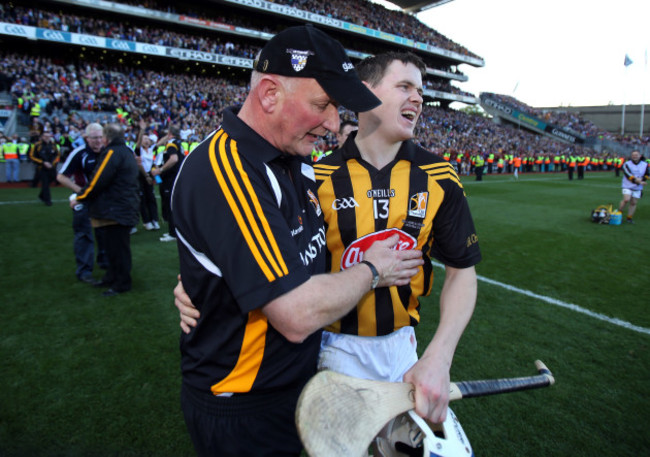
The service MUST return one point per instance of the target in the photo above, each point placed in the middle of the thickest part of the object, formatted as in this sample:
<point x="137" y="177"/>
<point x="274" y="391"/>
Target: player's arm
<point x="67" y="182"/>
<point x="324" y="298"/>
<point x="430" y="375"/>
<point x="62" y="176"/>
<point x="33" y="155"/>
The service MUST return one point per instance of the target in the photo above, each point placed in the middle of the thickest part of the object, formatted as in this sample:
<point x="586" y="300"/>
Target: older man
<point x="112" y="195"/>
<point x="252" y="250"/>
<point x="75" y="175"/>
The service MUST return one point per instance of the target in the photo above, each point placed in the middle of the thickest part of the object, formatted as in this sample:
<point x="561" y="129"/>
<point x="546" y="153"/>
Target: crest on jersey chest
<point x="418" y="205"/>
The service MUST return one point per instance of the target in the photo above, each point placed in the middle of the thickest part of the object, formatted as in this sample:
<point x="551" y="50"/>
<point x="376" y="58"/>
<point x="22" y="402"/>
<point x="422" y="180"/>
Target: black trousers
<point x="148" y="205"/>
<point x="571" y="173"/>
<point x="248" y="425"/>
<point x="166" y="203"/>
<point x="117" y="241"/>
<point x="46" y="176"/>
<point x="479" y="173"/>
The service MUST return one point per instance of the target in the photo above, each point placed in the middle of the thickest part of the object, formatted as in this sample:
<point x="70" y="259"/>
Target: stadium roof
<point x="414" y="6"/>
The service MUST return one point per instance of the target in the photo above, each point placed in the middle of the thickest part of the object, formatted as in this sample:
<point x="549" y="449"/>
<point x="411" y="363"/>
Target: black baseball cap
<point x="306" y="52"/>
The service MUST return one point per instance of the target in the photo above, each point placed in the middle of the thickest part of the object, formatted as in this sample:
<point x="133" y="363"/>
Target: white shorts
<point x="380" y="358"/>
<point x="633" y="193"/>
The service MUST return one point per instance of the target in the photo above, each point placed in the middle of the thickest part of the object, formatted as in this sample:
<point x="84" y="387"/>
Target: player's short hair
<point x="372" y="69"/>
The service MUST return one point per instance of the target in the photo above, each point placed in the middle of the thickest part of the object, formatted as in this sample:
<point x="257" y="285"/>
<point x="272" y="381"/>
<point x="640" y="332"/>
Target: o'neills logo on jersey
<point x="418" y="204"/>
<point x="314" y="201"/>
<point x="354" y="253"/>
<point x="381" y="193"/>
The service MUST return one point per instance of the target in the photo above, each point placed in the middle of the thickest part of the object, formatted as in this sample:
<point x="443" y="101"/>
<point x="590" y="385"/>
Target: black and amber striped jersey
<point x="417" y="196"/>
<point x="249" y="228"/>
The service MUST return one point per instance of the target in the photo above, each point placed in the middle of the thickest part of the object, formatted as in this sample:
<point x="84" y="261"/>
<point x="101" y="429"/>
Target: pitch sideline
<point x="560" y="303"/>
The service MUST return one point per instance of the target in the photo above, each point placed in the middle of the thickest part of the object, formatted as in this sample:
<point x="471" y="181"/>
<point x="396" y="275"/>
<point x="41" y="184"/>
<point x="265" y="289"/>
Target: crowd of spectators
<point x="63" y="90"/>
<point x="571" y="121"/>
<point x="215" y="43"/>
<point x="160" y="98"/>
<point x="88" y="24"/>
<point x="378" y="17"/>
<point x="360" y="12"/>
<point x="449" y="131"/>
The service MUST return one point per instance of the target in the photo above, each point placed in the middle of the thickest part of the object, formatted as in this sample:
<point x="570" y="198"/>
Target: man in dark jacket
<point x="45" y="154"/>
<point x="172" y="159"/>
<point x="112" y="196"/>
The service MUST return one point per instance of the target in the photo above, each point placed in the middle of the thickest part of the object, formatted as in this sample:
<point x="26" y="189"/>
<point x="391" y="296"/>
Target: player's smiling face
<point x="400" y="92"/>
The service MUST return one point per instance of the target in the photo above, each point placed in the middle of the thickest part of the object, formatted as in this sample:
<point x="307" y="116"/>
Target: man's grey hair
<point x="113" y="132"/>
<point x="94" y="127"/>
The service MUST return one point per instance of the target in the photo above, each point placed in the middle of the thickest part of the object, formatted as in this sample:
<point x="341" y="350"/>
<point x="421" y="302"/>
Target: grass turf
<point x="84" y="375"/>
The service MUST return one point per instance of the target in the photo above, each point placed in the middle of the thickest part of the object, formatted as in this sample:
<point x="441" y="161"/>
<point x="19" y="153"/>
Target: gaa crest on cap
<point x="299" y="58"/>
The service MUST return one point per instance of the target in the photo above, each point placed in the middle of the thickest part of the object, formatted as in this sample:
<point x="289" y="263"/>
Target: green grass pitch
<point x="84" y="375"/>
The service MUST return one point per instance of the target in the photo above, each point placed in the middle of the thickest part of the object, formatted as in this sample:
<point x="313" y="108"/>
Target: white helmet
<point x="409" y="435"/>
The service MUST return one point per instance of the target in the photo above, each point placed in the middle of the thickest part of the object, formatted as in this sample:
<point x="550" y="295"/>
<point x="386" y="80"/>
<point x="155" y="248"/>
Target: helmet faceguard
<point x="409" y="435"/>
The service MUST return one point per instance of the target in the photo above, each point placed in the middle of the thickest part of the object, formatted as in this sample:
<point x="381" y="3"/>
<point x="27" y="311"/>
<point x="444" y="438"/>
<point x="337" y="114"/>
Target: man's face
<point x="47" y="137"/>
<point x="95" y="140"/>
<point x="307" y="113"/>
<point x="635" y="156"/>
<point x="344" y="133"/>
<point x="400" y="92"/>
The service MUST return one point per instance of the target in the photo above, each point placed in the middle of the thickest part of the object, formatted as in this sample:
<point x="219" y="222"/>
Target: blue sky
<point x="554" y="52"/>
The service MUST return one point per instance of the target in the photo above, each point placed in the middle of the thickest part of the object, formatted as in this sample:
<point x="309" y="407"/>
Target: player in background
<point x="635" y="177"/>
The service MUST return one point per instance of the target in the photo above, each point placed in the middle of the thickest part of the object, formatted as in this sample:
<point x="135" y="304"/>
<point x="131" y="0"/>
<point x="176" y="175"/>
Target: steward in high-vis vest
<point x="479" y="163"/>
<point x="35" y="111"/>
<point x="23" y="150"/>
<point x="582" y="164"/>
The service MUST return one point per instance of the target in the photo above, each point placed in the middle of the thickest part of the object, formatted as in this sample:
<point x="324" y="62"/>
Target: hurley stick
<point x="338" y="415"/>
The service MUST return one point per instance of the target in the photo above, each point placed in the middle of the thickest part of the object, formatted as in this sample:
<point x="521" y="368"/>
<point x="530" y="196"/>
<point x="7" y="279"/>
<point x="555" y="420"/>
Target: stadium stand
<point x="85" y="60"/>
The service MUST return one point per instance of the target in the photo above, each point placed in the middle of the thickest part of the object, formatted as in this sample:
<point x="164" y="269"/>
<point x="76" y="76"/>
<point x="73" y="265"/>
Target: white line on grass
<point x="553" y="301"/>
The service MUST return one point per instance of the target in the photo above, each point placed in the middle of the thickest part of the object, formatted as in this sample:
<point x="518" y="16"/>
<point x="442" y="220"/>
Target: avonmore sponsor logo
<point x="355" y="251"/>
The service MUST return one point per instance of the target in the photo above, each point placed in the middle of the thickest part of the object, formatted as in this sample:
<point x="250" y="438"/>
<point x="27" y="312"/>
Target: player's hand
<point x="431" y="381"/>
<point x="395" y="268"/>
<point x="188" y="313"/>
